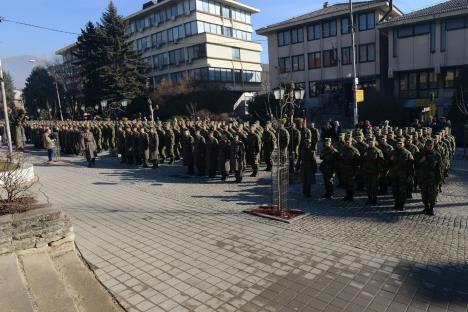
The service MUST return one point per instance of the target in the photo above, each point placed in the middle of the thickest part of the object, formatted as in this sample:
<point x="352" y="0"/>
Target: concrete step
<point x="14" y="296"/>
<point x="88" y="294"/>
<point x="47" y="288"/>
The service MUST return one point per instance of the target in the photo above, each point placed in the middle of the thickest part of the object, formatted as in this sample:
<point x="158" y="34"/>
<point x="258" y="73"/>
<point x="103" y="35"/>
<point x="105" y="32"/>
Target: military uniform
<point x="329" y="157"/>
<point x="428" y="169"/>
<point x="253" y="149"/>
<point x="400" y="169"/>
<point x="308" y="168"/>
<point x="211" y="156"/>
<point x="269" y="143"/>
<point x="372" y="166"/>
<point x="237" y="154"/>
<point x="349" y="158"/>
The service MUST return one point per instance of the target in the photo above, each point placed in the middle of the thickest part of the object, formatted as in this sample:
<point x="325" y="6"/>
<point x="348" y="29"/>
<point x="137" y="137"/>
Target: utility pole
<point x="5" y="111"/>
<point x="355" y="78"/>
<point x="58" y="99"/>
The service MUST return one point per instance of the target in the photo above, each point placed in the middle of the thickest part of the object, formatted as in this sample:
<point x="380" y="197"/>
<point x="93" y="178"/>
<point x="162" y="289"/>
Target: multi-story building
<point x="67" y="74"/>
<point x="206" y="40"/>
<point x="427" y="49"/>
<point x="314" y="51"/>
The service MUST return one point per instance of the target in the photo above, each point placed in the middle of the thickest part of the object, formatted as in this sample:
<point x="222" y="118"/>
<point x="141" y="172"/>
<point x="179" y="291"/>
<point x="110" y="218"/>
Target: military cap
<point x="327" y="140"/>
<point x="429" y="141"/>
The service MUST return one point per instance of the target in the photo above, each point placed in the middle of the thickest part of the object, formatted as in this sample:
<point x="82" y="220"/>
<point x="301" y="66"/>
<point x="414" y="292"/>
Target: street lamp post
<point x="286" y="98"/>
<point x="289" y="99"/>
<point x="5" y="111"/>
<point x="355" y="78"/>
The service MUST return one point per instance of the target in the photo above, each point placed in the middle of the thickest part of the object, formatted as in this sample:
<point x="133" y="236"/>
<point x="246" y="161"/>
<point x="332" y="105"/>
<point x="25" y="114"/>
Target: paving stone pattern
<point x="163" y="241"/>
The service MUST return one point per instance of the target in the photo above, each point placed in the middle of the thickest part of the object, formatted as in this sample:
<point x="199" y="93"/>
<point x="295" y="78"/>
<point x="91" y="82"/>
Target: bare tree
<point x="14" y="183"/>
<point x="460" y="102"/>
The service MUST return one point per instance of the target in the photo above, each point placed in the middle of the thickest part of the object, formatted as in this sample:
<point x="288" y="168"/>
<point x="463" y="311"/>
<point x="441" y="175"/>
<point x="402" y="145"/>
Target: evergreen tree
<point x="9" y="90"/>
<point x="121" y="74"/>
<point x="89" y="63"/>
<point x="39" y="91"/>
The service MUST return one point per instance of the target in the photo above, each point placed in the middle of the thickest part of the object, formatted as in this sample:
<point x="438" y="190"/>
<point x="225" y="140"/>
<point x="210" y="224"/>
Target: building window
<point x="191" y="28"/>
<point x="367" y="53"/>
<point x="418" y="85"/>
<point x="297" y="62"/>
<point x="366" y="21"/>
<point x="443" y="36"/>
<point x="345" y="25"/>
<point x="314" y="89"/>
<point x="251" y="76"/>
<point x="433" y="38"/>
<point x="283" y="38"/>
<point x="329" y="58"/>
<point x="455" y="23"/>
<point x="284" y="64"/>
<point x="314" y="32"/>
<point x="450" y="77"/>
<point x="329" y="28"/>
<point x="300" y="85"/>
<point x="297" y="35"/>
<point x="346" y="56"/>
<point x="196" y="52"/>
<point x="226" y="12"/>
<point x="314" y="60"/>
<point x="236" y="54"/>
<point x="176" y="57"/>
<point x="227" y="31"/>
<point x="415" y="30"/>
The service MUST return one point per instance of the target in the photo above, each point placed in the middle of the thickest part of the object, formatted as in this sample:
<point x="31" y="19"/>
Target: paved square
<point x="162" y="241"/>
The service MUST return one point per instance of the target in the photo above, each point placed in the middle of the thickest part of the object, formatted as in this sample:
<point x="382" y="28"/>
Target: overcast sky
<point x="71" y="15"/>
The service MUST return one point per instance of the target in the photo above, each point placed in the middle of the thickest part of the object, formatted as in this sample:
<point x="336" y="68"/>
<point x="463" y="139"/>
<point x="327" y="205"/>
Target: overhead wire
<point x="2" y="19"/>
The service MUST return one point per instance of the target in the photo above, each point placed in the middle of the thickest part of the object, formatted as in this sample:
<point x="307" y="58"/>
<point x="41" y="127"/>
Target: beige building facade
<point x="412" y="59"/>
<point x="205" y="40"/>
<point x="314" y="51"/>
<point x="427" y="50"/>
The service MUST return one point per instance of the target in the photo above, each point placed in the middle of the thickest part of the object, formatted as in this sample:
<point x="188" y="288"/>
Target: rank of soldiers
<point x="372" y="160"/>
<point x="389" y="157"/>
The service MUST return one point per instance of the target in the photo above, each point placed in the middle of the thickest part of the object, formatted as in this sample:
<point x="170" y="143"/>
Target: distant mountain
<point x="20" y="67"/>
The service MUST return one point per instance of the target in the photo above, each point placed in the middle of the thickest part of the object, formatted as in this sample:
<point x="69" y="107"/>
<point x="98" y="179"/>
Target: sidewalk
<point x="162" y="241"/>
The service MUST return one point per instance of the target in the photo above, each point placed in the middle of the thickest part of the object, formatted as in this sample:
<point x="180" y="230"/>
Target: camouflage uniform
<point x="400" y="169"/>
<point x="428" y="170"/>
<point x="329" y="157"/>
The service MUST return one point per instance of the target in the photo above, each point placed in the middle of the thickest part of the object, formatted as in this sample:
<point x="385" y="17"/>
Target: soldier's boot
<point x="254" y="173"/>
<point x="374" y="201"/>
<point x="223" y="175"/>
<point x="431" y="210"/>
<point x="155" y="164"/>
<point x="426" y="208"/>
<point x="171" y="160"/>
<point x="93" y="162"/>
<point x="238" y="176"/>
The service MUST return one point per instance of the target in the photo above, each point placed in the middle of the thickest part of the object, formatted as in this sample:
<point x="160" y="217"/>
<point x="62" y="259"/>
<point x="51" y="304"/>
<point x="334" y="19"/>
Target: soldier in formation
<point x="370" y="160"/>
<point x="403" y="159"/>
